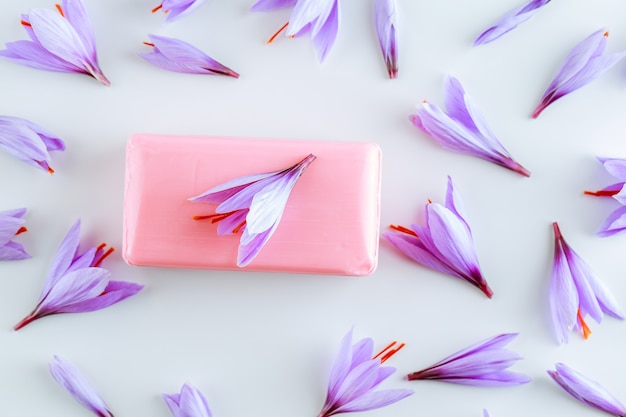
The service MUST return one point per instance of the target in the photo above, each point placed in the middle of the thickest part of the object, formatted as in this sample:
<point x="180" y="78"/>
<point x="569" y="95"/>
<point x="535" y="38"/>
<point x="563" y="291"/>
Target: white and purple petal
<point x="387" y="30"/>
<point x="510" y="21"/>
<point x="190" y="402"/>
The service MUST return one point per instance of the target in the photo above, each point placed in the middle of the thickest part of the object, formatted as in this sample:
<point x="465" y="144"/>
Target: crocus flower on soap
<point x="178" y="56"/>
<point x="386" y="27"/>
<point x="586" y="390"/>
<point x="188" y="403"/>
<point x="445" y="243"/>
<point x="586" y="62"/>
<point x="70" y="378"/>
<point x="355" y="375"/>
<point x="616" y="222"/>
<point x="61" y="40"/>
<point x="575" y="292"/>
<point x="482" y="364"/>
<point x="28" y="142"/>
<point x="253" y="204"/>
<point x="462" y="128"/>
<point x="178" y="8"/>
<point x="76" y="283"/>
<point x="12" y="224"/>
<point x="510" y="21"/>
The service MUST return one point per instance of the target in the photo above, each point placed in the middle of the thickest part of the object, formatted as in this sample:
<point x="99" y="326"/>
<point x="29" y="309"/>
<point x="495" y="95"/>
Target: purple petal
<point x="224" y="191"/>
<point x="362" y="351"/>
<point x="76" y="14"/>
<point x="309" y="11"/>
<point x="269" y="5"/>
<point x="386" y="28"/>
<point x="63" y="258"/>
<point x="179" y="8"/>
<point x="510" y="21"/>
<point x="373" y="400"/>
<point x="250" y="245"/>
<point x="192" y="403"/>
<point x="341" y="366"/>
<point x="324" y="38"/>
<point x="173" y="403"/>
<point x="34" y="55"/>
<point x="455" y="204"/>
<point x="13" y="251"/>
<point x="114" y="292"/>
<point x="615" y="223"/>
<point x="359" y="381"/>
<point x="74" y="287"/>
<point x="615" y="166"/>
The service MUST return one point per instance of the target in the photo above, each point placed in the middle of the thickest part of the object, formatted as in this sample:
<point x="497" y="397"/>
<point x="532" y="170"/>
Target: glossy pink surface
<point x="330" y="224"/>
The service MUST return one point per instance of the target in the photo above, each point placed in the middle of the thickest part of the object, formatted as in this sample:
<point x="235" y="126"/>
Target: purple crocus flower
<point x="178" y="56"/>
<point x="28" y="142"/>
<point x="575" y="292"/>
<point x="70" y="378"/>
<point x="188" y="403"/>
<point x="462" y="128"/>
<point x="62" y="41"/>
<point x="510" y="21"/>
<point x="585" y="63"/>
<point x="445" y="243"/>
<point x="76" y="283"/>
<point x="483" y="364"/>
<point x="586" y="390"/>
<point x="178" y="8"/>
<point x="354" y="376"/>
<point x="616" y="222"/>
<point x="386" y="27"/>
<point x="254" y="204"/>
<point x="12" y="224"/>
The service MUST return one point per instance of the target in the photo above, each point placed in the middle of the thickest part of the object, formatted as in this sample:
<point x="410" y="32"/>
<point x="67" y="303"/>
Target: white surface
<point x="261" y="344"/>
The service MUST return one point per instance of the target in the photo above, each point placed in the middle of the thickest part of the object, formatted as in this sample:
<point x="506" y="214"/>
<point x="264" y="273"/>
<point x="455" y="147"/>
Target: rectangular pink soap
<point x="330" y="224"/>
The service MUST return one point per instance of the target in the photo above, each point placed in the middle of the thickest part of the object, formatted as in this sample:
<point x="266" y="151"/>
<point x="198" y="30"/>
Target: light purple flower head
<point x="386" y="27"/>
<point x="28" y="142"/>
<point x="585" y="63"/>
<point x="445" y="243"/>
<point x="575" y="292"/>
<point x="616" y="222"/>
<point x="586" y="390"/>
<point x="178" y="8"/>
<point x="12" y="224"/>
<point x="70" y="378"/>
<point x="354" y="376"/>
<point x="483" y="364"/>
<point x="462" y="128"/>
<point x="253" y="204"/>
<point x="76" y="283"/>
<point x="60" y="41"/>
<point x="178" y="56"/>
<point x="188" y="403"/>
<point x="510" y="21"/>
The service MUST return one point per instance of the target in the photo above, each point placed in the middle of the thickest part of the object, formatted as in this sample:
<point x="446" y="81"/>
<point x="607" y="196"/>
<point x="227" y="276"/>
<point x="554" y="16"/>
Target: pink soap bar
<point x="330" y="224"/>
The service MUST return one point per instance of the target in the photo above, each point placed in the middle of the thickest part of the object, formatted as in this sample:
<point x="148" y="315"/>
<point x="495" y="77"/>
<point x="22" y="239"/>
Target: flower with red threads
<point x="11" y="225"/>
<point x="76" y="283"/>
<point x="616" y="222"/>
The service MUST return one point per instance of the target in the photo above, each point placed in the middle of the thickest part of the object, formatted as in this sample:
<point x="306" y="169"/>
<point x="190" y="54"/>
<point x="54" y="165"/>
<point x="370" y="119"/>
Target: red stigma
<point x="606" y="34"/>
<point x="97" y="262"/>
<point x="25" y="23"/>
<point x="602" y="193"/>
<point x="21" y="230"/>
<point x="218" y="217"/>
<point x="583" y="326"/>
<point x="149" y="44"/>
<point x="60" y="9"/>
<point x="403" y="229"/>
<point x="156" y="9"/>
<point x="388" y="352"/>
<point x="50" y="171"/>
<point x="271" y="39"/>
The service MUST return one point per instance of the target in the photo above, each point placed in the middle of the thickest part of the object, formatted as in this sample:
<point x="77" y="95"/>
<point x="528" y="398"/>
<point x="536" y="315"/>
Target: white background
<point x="259" y="343"/>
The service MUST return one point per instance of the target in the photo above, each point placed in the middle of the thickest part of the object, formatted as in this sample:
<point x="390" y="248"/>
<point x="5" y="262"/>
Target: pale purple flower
<point x="482" y="364"/>
<point x="12" y="224"/>
<point x="354" y="376"/>
<point x="178" y="8"/>
<point x="575" y="292"/>
<point x="462" y="128"/>
<point x="386" y="27"/>
<point x="510" y="21"/>
<point x="587" y="391"/>
<point x="188" y="403"/>
<point x="445" y="243"/>
<point x="70" y="378"/>
<point x="585" y="63"/>
<point x="76" y="283"/>
<point x="616" y="222"/>
<point x="28" y="142"/>
<point x="178" y="56"/>
<point x="253" y="204"/>
<point x="60" y="41"/>
<point x="485" y="413"/>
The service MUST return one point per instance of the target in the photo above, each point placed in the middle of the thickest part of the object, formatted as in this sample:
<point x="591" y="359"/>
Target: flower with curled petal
<point x="510" y="21"/>
<point x="188" y="403"/>
<point x="178" y="8"/>
<point x="76" y="283"/>
<point x="586" y="390"/>
<point x="12" y="224"/>
<point x="586" y="62"/>
<point x="386" y="27"/>
<point x="254" y="204"/>
<point x="616" y="222"/>
<point x="28" y="142"/>
<point x="354" y="376"/>
<point x="70" y="378"/>
<point x="575" y="292"/>
<point x="482" y="364"/>
<point x="178" y="56"/>
<point x="445" y="243"/>
<point x="62" y="41"/>
<point x="462" y="128"/>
